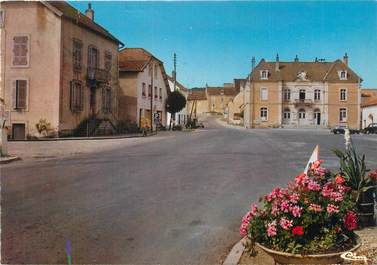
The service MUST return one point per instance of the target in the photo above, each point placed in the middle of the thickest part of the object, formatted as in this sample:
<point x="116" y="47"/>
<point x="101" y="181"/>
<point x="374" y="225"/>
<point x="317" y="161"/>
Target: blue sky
<point x="215" y="41"/>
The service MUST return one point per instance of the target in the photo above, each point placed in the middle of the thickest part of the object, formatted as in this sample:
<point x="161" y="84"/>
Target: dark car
<point x="372" y="128"/>
<point x="340" y="129"/>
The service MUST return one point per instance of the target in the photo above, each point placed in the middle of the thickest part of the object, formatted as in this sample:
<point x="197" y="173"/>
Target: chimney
<point x="90" y="12"/>
<point x="345" y="59"/>
<point x="277" y="67"/>
<point x="296" y="58"/>
<point x="252" y="63"/>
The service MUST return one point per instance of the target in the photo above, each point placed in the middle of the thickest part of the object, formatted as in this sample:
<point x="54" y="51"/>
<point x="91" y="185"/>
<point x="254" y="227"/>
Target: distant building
<point x="302" y="94"/>
<point x="369" y="107"/>
<point x="143" y="87"/>
<point x="60" y="66"/>
<point x="182" y="116"/>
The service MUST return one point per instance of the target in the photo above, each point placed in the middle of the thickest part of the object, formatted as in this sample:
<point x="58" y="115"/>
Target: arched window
<point x="263" y="114"/>
<point x="287" y="114"/>
<point x="301" y="114"/>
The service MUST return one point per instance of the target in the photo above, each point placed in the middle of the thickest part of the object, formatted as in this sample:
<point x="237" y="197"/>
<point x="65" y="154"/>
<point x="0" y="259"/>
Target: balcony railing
<point x="98" y="75"/>
<point x="303" y="102"/>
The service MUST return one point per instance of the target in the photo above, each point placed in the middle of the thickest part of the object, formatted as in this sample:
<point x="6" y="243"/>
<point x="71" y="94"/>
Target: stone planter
<point x="288" y="258"/>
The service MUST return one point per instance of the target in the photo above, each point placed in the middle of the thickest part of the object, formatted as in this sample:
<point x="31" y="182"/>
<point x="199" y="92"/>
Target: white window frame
<point x="264" y="74"/>
<point x="345" y="95"/>
<point x="262" y="118"/>
<point x="28" y="50"/>
<point x="287" y="94"/>
<point x="287" y="113"/>
<point x="317" y="94"/>
<point x="2" y="18"/>
<point x="262" y="89"/>
<point x="340" y="74"/>
<point x="346" y="115"/>
<point x="14" y="96"/>
<point x="300" y="116"/>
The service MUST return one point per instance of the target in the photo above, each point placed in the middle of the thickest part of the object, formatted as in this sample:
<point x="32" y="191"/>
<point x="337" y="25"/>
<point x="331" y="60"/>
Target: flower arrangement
<point x="312" y="215"/>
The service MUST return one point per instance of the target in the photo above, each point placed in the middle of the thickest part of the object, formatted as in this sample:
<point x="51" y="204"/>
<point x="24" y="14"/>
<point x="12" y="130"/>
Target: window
<point x="143" y="90"/>
<point x="302" y="94"/>
<point x="155" y="71"/>
<point x="149" y="91"/>
<point x="77" y="55"/>
<point x="317" y="94"/>
<point x="106" y="100"/>
<point x="263" y="114"/>
<point x="155" y="92"/>
<point x="20" y="91"/>
<point x="342" y="75"/>
<point x="287" y="94"/>
<point x="287" y="114"/>
<point x="76" y="96"/>
<point x="264" y="74"/>
<point x="343" y="115"/>
<point x="343" y="94"/>
<point x="21" y="51"/>
<point x="160" y="93"/>
<point x="2" y="18"/>
<point x="108" y="61"/>
<point x="93" y="57"/>
<point x="301" y="114"/>
<point x="263" y="93"/>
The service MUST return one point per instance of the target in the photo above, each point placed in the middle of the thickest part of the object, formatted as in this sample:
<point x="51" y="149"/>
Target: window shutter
<point x="81" y="99"/>
<point x="104" y="99"/>
<point x="20" y="50"/>
<point x="14" y="94"/>
<point x="22" y="94"/>
<point x="71" y="97"/>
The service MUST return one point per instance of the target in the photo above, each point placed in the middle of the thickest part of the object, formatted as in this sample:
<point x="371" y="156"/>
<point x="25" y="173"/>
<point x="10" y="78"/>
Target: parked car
<point x="340" y="129"/>
<point x="372" y="128"/>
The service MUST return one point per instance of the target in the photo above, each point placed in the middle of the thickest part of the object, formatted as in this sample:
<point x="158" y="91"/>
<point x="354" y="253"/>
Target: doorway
<point x="317" y="118"/>
<point x="18" y="131"/>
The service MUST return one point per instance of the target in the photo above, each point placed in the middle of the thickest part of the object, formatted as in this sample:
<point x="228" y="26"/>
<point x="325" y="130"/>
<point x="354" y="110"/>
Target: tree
<point x="175" y="103"/>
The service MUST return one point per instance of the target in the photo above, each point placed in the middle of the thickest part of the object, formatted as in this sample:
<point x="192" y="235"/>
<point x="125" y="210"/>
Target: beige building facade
<point x="143" y="86"/>
<point x="60" y="66"/>
<point x="302" y="95"/>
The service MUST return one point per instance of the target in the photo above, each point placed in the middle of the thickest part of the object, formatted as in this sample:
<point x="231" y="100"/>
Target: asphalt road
<point x="178" y="200"/>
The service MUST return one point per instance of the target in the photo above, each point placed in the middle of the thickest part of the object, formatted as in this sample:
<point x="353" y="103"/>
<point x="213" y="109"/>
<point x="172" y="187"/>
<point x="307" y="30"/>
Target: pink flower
<point x="284" y="206"/>
<point x="296" y="211"/>
<point x="271" y="229"/>
<point x="300" y="178"/>
<point x="294" y="197"/>
<point x="254" y="209"/>
<point x="285" y="223"/>
<point x="315" y="164"/>
<point x="321" y="171"/>
<point x="313" y="185"/>
<point x="243" y="229"/>
<point x="336" y="196"/>
<point x="246" y="219"/>
<point x="315" y="207"/>
<point x="327" y="190"/>
<point x="275" y="209"/>
<point x="331" y="208"/>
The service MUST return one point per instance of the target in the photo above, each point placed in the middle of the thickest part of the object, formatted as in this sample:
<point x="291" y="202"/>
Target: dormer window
<point x="342" y="75"/>
<point x="264" y="75"/>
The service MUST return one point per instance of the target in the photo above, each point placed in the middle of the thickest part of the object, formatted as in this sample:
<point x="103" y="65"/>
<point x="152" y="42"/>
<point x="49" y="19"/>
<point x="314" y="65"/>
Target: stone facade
<point x="302" y="94"/>
<point x="39" y="70"/>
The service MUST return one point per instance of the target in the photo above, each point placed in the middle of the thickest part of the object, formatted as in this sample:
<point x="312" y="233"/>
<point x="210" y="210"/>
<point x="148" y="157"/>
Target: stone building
<point x="143" y="87"/>
<point x="369" y="107"/>
<point x="58" y="65"/>
<point x="182" y="116"/>
<point x="302" y="94"/>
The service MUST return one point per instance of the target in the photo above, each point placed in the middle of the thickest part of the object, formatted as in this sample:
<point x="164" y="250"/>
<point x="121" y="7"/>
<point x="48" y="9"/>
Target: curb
<point x="235" y="253"/>
<point x="9" y="159"/>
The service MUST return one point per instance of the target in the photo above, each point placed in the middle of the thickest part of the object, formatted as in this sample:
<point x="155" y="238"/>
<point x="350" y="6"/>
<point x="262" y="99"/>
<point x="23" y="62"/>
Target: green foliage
<point x="126" y="126"/>
<point x="175" y="102"/>
<point x="353" y="168"/>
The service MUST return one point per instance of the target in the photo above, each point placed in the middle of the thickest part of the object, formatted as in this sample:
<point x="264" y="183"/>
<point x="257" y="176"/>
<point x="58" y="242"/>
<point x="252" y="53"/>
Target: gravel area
<point x="369" y="249"/>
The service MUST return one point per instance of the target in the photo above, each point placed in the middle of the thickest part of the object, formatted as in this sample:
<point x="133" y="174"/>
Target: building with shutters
<point x="59" y="65"/>
<point x="144" y="88"/>
<point x="302" y="94"/>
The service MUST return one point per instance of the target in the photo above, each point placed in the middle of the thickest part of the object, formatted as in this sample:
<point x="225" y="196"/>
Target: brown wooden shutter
<point x="21" y="94"/>
<point x="20" y="50"/>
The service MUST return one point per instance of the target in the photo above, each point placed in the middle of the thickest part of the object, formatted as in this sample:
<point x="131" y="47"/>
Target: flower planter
<point x="288" y="258"/>
<point x="365" y="209"/>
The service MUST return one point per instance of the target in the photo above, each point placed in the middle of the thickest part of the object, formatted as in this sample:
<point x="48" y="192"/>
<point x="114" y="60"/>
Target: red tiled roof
<point x="370" y="102"/>
<point x="134" y="59"/>
<point x="315" y="71"/>
<point x="77" y="17"/>
<point x="216" y="91"/>
<point x="197" y="94"/>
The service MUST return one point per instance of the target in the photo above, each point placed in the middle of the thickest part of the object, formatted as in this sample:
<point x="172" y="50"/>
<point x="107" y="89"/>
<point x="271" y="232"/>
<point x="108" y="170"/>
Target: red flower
<point x="339" y="180"/>
<point x="373" y="175"/>
<point x="298" y="230"/>
<point x="300" y="178"/>
<point x="350" y="221"/>
<point x="315" y="164"/>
